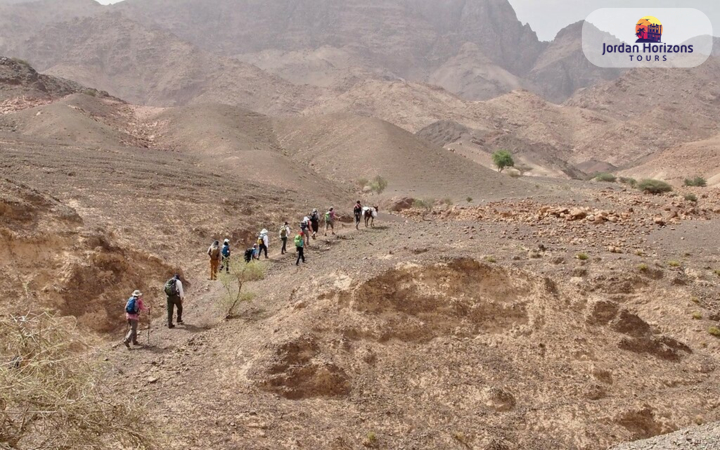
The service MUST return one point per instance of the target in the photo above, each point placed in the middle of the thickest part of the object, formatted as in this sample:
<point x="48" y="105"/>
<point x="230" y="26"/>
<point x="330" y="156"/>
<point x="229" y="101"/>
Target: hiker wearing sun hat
<point x="264" y="242"/>
<point x="132" y="313"/>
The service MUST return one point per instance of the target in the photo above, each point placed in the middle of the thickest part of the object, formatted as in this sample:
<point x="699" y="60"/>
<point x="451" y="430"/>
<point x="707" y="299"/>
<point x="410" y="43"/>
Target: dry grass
<point x="51" y="396"/>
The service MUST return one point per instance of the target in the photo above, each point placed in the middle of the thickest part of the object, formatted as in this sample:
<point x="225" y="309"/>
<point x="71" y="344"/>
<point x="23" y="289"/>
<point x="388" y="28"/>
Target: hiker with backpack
<point x="330" y="221"/>
<point x="214" y="253"/>
<point x="132" y="313"/>
<point x="263" y="243"/>
<point x="357" y="211"/>
<point x="175" y="297"/>
<point x="225" y="255"/>
<point x="249" y="255"/>
<point x="305" y="229"/>
<point x="300" y="247"/>
<point x="314" y="222"/>
<point x="284" y="233"/>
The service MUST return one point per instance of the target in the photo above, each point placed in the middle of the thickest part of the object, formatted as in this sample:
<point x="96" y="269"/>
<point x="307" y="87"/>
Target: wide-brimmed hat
<point x="264" y="231"/>
<point x="137" y="293"/>
<point x="227" y="241"/>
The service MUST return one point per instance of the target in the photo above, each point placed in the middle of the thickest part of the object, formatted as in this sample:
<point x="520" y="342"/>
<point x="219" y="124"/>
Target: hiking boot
<point x="127" y="344"/>
<point x="137" y="344"/>
<point x="180" y="322"/>
<point x="171" y="326"/>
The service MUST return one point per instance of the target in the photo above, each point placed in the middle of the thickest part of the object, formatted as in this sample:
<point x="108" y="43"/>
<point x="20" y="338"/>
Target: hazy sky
<point x="547" y="17"/>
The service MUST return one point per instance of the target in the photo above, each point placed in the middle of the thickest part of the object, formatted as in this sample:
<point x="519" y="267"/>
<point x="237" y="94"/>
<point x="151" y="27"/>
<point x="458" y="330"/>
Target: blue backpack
<point x="226" y="251"/>
<point x="132" y="306"/>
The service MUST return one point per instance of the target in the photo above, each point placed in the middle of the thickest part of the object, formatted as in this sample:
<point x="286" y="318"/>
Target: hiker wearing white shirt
<point x="284" y="233"/>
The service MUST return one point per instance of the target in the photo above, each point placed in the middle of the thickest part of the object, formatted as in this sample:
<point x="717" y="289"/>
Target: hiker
<point x="256" y="252"/>
<point x="175" y="297"/>
<point x="299" y="245"/>
<point x="314" y="222"/>
<point x="330" y="221"/>
<point x="132" y="313"/>
<point x="214" y="253"/>
<point x="358" y="211"/>
<point x="263" y="243"/>
<point x="225" y="254"/>
<point x="305" y="229"/>
<point x="284" y="233"/>
<point x="249" y="255"/>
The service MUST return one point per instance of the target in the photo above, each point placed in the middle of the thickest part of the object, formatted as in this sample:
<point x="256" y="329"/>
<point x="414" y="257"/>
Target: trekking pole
<point x="149" y="322"/>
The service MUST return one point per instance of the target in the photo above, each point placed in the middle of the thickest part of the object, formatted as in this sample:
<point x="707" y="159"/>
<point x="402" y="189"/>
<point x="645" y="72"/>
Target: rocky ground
<point x="450" y="330"/>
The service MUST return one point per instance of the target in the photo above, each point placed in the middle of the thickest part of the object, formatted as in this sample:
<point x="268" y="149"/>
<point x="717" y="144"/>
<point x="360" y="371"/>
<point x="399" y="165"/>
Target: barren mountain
<point x="346" y="148"/>
<point x="701" y="158"/>
<point x="154" y="67"/>
<point x="562" y="68"/>
<point x="20" y="20"/>
<point x="20" y="85"/>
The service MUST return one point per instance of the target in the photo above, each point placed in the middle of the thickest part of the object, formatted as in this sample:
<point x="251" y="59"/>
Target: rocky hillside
<point x="154" y="67"/>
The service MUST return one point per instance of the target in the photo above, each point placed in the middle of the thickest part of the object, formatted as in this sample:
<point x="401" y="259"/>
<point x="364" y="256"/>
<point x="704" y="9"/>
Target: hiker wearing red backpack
<point x="132" y="313"/>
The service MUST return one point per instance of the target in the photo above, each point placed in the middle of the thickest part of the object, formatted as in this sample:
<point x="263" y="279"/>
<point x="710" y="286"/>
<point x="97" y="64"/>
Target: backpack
<point x="260" y="241"/>
<point x="132" y="306"/>
<point x="327" y="216"/>
<point x="215" y="252"/>
<point x="314" y="217"/>
<point x="283" y="232"/>
<point x="303" y="226"/>
<point x="299" y="241"/>
<point x="171" y="287"/>
<point x="226" y="250"/>
<point x="248" y="255"/>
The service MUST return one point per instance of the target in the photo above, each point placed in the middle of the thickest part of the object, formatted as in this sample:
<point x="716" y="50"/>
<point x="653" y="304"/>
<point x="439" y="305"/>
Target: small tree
<point x="233" y="284"/>
<point x="503" y="159"/>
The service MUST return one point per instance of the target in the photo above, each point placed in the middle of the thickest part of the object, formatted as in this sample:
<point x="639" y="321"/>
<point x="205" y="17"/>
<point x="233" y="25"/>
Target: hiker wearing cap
<point x="225" y="255"/>
<point x="132" y="313"/>
<point x="299" y="246"/>
<point x="314" y="222"/>
<point x="263" y="243"/>
<point x="175" y="297"/>
<point x="330" y="221"/>
<point x="357" y="211"/>
<point x="305" y="229"/>
<point x="214" y="253"/>
<point x="284" y="233"/>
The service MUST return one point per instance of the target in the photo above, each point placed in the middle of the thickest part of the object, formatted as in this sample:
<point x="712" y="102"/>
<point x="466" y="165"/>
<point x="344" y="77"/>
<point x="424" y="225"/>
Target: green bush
<point x="674" y="263"/>
<point x="469" y="199"/>
<point x="629" y="181"/>
<point x="503" y="159"/>
<point x="426" y="204"/>
<point x="378" y="184"/>
<point x="447" y="201"/>
<point x="715" y="331"/>
<point x="654" y="186"/>
<point x="696" y="182"/>
<point x="606" y="177"/>
<point x="691" y="198"/>
<point x="697" y="316"/>
<point x="362" y="182"/>
<point x="583" y="256"/>
<point x="643" y="267"/>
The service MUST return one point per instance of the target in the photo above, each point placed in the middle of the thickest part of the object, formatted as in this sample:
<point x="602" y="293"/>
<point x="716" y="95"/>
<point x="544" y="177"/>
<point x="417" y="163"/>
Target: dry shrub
<point x="51" y="396"/>
<point x="233" y="284"/>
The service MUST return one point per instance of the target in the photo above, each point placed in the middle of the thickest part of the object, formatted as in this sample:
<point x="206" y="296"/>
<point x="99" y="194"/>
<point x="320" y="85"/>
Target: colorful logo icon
<point x="649" y="29"/>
